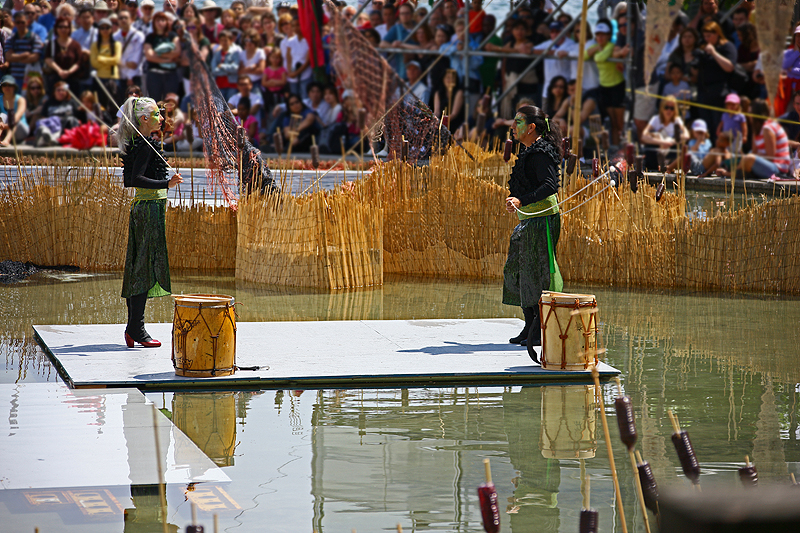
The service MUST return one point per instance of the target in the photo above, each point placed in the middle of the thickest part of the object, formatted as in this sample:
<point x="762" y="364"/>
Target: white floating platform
<point x="336" y="354"/>
<point x="59" y="437"/>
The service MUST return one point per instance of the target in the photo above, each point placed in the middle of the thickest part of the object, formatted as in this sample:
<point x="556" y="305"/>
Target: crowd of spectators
<point x="67" y="65"/>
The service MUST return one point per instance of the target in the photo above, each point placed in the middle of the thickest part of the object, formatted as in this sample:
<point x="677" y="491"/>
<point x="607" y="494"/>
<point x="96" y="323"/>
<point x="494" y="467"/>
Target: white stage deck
<point x="337" y="354"/>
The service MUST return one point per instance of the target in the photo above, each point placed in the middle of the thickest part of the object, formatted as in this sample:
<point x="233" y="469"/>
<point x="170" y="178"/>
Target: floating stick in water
<point x="748" y="473"/>
<point x="648" y="482"/>
<point x="589" y="517"/>
<point x="487" y="495"/>
<point x="683" y="447"/>
<point x="627" y="432"/>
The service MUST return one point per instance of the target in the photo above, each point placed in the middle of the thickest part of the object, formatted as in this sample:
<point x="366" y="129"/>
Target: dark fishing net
<point x="393" y="113"/>
<point x="225" y="144"/>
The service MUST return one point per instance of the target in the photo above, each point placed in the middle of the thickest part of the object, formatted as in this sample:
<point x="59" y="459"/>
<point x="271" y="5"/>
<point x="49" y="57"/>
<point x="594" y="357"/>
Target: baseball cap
<point x="556" y="25"/>
<point x="699" y="125"/>
<point x="413" y="64"/>
<point x="602" y="27"/>
<point x="146" y="3"/>
<point x="732" y="98"/>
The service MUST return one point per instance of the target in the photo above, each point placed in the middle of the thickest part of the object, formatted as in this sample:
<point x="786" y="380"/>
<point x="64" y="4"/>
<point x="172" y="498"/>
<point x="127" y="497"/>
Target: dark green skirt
<point x="146" y="263"/>
<point x="527" y="271"/>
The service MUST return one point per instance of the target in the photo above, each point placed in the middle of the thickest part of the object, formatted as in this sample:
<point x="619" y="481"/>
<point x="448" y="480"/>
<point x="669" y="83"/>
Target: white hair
<point x="132" y="110"/>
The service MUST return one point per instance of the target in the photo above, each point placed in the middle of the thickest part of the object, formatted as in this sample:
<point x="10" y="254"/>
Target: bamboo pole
<point x="576" y="112"/>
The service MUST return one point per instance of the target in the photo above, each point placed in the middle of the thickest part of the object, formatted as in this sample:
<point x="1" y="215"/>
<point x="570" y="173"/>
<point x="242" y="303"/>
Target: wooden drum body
<point x="569" y="330"/>
<point x="204" y="335"/>
<point x="569" y="422"/>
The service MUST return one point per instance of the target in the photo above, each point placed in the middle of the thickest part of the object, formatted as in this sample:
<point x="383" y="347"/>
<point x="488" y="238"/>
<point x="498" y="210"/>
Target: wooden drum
<point x="569" y="422"/>
<point x="569" y="330"/>
<point x="204" y="335"/>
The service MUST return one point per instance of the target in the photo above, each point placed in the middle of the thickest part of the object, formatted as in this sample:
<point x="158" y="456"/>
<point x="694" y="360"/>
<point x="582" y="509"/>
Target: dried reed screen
<point x="201" y="237"/>
<point x="329" y="240"/>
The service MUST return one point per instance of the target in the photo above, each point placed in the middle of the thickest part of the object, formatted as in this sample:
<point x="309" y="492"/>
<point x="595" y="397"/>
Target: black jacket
<point x="141" y="166"/>
<point x="535" y="175"/>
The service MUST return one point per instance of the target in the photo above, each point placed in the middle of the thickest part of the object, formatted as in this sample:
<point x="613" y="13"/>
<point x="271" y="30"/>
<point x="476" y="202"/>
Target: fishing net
<point x="394" y="112"/>
<point x="225" y="144"/>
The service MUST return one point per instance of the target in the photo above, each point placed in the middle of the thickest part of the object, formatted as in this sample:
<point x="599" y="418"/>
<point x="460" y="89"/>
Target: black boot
<point x="527" y="312"/>
<point x="531" y="319"/>
<point x="534" y="335"/>
<point x="135" y="329"/>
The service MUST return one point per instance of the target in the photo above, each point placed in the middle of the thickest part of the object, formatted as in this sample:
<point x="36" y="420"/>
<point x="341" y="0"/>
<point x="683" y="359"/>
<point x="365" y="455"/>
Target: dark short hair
<point x="85" y="9"/>
<point x="313" y="84"/>
<point x="244" y="100"/>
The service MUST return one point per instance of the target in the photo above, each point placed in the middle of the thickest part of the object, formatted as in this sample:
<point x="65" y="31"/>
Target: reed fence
<point x="447" y="219"/>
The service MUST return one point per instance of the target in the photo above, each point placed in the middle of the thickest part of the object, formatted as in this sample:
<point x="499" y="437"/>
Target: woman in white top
<point x="253" y="61"/>
<point x="664" y="131"/>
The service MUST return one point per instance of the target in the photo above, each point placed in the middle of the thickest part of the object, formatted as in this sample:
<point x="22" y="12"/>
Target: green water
<point x="338" y="460"/>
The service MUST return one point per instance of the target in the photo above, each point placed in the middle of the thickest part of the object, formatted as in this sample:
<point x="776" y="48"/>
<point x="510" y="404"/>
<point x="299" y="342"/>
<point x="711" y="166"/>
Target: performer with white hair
<point x="144" y="167"/>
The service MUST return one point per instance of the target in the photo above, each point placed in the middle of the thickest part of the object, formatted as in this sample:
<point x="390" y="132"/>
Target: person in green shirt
<point x="612" y="81"/>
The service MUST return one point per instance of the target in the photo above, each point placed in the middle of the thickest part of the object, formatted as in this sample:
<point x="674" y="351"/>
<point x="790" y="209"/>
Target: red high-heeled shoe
<point x="152" y="343"/>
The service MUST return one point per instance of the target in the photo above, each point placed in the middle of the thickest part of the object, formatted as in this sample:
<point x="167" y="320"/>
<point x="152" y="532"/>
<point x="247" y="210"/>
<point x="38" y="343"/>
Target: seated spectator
<point x="34" y="98"/>
<point x="664" y="131"/>
<point x="174" y="121"/>
<point x="58" y="115"/>
<point x="790" y="73"/>
<point x="333" y="113"/>
<point x="713" y="160"/>
<point x="418" y="87"/>
<point x="589" y="106"/>
<point x="89" y="112"/>
<point x="770" y="154"/>
<point x="274" y="79"/>
<point x="555" y="96"/>
<point x="733" y="121"/>
<point x="225" y="64"/>
<point x="316" y="101"/>
<point x="297" y="124"/>
<point x="245" y="87"/>
<point x="699" y="143"/>
<point x="190" y="137"/>
<point x="246" y="120"/>
<point x="792" y="115"/>
<point x="22" y="49"/>
<point x="449" y="100"/>
<point x="14" y="125"/>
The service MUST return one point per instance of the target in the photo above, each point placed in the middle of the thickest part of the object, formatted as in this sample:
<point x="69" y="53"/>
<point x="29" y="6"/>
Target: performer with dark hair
<point x="531" y="265"/>
<point x="146" y="265"/>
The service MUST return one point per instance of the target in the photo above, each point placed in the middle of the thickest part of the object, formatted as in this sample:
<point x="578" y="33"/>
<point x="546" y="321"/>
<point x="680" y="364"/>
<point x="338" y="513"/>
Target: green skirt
<point x="528" y="271"/>
<point x="146" y="263"/>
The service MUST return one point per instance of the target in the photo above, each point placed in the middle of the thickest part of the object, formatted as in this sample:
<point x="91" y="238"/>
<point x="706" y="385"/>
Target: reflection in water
<point x="145" y="516"/>
<point x="209" y="419"/>
<point x="569" y="415"/>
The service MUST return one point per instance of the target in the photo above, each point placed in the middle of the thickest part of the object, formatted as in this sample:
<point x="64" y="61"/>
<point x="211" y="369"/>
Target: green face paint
<point x="521" y="125"/>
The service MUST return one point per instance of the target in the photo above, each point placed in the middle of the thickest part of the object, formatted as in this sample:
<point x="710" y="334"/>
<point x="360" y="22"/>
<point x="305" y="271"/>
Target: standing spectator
<point x="225" y="64"/>
<point x="132" y="42"/>
<point x="32" y="12"/>
<point x="48" y="20"/>
<point x="12" y="113"/>
<point x="790" y="73"/>
<point x="66" y="11"/>
<point x="472" y="78"/>
<point x="229" y="23"/>
<point x="252" y="60"/>
<point x="144" y="23"/>
<point x="518" y="44"/>
<point x="101" y="11"/>
<point x="555" y="96"/>
<point x="715" y="63"/>
<point x="22" y="49"/>
<point x="270" y="39"/>
<point x="443" y="35"/>
<point x="86" y="33"/>
<point x="190" y="12"/>
<point x="676" y="86"/>
<point x="612" y="82"/>
<point x="709" y="12"/>
<point x="488" y="70"/>
<point x="747" y="55"/>
<point x="389" y="17"/>
<point x="770" y="145"/>
<point x="397" y="34"/>
<point x="450" y="12"/>
<point x="734" y="122"/>
<point x="106" y="56"/>
<point x="274" y="79"/>
<point x="63" y="59"/>
<point x="419" y="89"/>
<point x="162" y="50"/>
<point x="684" y="55"/>
<point x="557" y="62"/>
<point x="211" y="28"/>
<point x="296" y="60"/>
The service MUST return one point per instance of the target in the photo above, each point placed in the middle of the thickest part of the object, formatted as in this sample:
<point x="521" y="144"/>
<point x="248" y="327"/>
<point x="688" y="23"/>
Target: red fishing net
<point x="225" y="144"/>
<point x="391" y="109"/>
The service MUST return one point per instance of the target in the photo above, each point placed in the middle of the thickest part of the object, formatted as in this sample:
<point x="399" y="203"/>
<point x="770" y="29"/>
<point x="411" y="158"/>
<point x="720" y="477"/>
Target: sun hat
<point x="105" y="21"/>
<point x="147" y="3"/>
<point x="209" y="5"/>
<point x="101" y="5"/>
<point x="732" y="98"/>
<point x="602" y="27"/>
<point x="699" y="125"/>
<point x="8" y="79"/>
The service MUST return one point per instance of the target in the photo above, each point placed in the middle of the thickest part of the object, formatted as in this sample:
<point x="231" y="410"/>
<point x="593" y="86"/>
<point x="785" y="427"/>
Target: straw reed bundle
<point x="324" y="239"/>
<point x="201" y="237"/>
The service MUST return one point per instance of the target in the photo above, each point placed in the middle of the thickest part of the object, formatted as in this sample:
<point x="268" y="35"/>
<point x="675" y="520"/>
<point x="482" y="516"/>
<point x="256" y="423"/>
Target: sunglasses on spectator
<point x="669" y="108"/>
<point x="62" y="27"/>
<point x="34" y="88"/>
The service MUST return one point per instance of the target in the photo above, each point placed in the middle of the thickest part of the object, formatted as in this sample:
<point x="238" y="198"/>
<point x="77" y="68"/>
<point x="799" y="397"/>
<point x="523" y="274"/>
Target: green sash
<point x="542" y="208"/>
<point x="150" y="194"/>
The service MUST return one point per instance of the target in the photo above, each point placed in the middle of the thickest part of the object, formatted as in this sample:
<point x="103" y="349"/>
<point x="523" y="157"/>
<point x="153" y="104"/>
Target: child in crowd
<point x="714" y="159"/>
<point x="734" y="122"/>
<point x="89" y="101"/>
<point x="699" y="143"/>
<point x="677" y="86"/>
<point x="246" y="120"/>
<point x="274" y="79"/>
